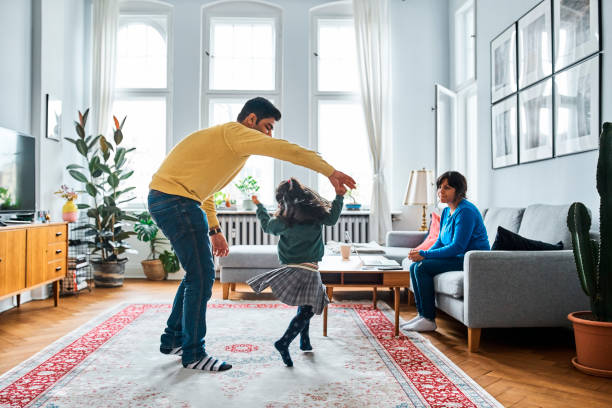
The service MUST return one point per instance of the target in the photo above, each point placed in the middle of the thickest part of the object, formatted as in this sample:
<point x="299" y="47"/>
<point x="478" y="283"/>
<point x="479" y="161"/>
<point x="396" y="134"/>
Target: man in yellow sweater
<point x="200" y="165"/>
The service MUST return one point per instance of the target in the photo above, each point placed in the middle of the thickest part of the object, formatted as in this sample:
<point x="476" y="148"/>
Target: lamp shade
<point x="419" y="190"/>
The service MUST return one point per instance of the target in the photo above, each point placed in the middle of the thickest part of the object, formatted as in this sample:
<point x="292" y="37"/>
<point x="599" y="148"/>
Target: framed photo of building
<point x="535" y="45"/>
<point x="576" y="24"/>
<point x="503" y="64"/>
<point x="504" y="133"/>
<point x="536" y="122"/>
<point x="577" y="98"/>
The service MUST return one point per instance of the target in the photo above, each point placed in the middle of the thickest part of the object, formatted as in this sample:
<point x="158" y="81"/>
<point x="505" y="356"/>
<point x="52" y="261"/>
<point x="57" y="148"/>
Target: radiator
<point x="244" y="229"/>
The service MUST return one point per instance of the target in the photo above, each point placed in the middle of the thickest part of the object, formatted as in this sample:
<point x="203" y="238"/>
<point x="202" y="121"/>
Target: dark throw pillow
<point x="509" y="241"/>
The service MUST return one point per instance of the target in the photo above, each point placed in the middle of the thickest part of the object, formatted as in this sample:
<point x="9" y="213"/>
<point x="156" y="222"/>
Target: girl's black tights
<point x="299" y="325"/>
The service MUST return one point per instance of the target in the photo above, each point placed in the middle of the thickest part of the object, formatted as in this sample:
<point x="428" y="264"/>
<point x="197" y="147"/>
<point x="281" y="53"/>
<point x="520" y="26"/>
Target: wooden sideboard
<point x="32" y="255"/>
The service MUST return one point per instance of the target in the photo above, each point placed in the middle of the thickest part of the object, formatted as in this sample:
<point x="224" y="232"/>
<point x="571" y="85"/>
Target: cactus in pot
<point x="593" y="259"/>
<point x="593" y="330"/>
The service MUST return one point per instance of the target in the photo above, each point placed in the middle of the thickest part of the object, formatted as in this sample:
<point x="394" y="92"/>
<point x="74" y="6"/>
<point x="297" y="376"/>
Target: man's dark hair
<point x="456" y="181"/>
<point x="261" y="107"/>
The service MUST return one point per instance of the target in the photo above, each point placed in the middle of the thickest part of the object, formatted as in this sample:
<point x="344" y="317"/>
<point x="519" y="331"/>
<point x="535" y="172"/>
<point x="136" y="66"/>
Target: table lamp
<point x="420" y="192"/>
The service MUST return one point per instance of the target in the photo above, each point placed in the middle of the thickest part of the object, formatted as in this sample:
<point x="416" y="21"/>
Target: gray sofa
<point x="510" y="288"/>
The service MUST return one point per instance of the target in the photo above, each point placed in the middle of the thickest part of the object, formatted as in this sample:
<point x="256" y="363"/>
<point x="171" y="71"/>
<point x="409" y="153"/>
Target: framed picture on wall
<point x="576" y="25"/>
<point x="577" y="99"/>
<point x="535" y="45"/>
<point x="504" y="133"/>
<point x="536" y="122"/>
<point x="53" y="118"/>
<point x="503" y="64"/>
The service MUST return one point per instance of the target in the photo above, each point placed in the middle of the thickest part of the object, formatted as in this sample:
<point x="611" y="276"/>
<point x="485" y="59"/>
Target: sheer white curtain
<point x="105" y="20"/>
<point x="371" y="22"/>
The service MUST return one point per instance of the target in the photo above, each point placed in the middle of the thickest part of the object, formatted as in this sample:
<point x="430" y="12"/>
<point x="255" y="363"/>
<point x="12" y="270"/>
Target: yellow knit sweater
<point x="207" y="160"/>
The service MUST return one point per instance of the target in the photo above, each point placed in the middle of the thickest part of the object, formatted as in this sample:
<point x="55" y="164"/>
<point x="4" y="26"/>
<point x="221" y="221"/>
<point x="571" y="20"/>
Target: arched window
<point x="338" y="127"/>
<point x="241" y="59"/>
<point x="142" y="91"/>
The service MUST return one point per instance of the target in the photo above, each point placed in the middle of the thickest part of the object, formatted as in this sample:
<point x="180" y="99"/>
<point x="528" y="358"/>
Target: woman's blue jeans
<point x="184" y="223"/>
<point x="421" y="276"/>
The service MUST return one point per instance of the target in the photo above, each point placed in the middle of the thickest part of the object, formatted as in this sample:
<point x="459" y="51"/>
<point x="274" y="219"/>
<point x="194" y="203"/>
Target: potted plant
<point x="155" y="267"/>
<point x="352" y="194"/>
<point x="223" y="202"/>
<point x="247" y="186"/>
<point x="70" y="212"/>
<point x="593" y="330"/>
<point x="104" y="174"/>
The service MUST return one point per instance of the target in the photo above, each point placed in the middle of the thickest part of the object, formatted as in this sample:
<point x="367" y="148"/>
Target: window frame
<point x="334" y="11"/>
<point x="460" y="59"/>
<point x="143" y="12"/>
<point x="253" y="10"/>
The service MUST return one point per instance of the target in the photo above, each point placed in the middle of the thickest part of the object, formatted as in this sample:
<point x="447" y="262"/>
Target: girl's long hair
<point x="298" y="204"/>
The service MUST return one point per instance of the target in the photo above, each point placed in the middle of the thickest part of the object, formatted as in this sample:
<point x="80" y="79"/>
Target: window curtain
<point x="372" y="39"/>
<point x="105" y="21"/>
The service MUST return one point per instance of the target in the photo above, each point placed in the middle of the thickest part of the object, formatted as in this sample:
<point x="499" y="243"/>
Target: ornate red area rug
<point x="114" y="361"/>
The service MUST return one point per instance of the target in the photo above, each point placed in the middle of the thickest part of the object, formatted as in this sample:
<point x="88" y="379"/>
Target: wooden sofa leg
<point x="473" y="339"/>
<point x="226" y="289"/>
<point x="233" y="287"/>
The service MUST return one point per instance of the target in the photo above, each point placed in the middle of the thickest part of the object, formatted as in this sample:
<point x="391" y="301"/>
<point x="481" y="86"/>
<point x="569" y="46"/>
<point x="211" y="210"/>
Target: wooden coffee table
<point x="336" y="272"/>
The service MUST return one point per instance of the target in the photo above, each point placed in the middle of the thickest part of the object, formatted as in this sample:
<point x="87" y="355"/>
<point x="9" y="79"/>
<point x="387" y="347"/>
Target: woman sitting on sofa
<point x="461" y="229"/>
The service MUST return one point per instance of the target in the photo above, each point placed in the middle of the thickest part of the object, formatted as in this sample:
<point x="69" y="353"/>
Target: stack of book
<point x="76" y="278"/>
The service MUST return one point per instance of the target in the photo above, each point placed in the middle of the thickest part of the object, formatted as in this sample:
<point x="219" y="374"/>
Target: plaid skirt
<point x="295" y="285"/>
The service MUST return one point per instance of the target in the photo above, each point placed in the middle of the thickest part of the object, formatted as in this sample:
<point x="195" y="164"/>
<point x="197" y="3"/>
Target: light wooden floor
<point x="519" y="367"/>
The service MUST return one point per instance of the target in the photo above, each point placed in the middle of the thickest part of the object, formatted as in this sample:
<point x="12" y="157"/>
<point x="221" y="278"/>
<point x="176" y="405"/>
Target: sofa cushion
<point x="432" y="235"/>
<point x="251" y="256"/>
<point x="547" y="223"/>
<point x="509" y="241"/>
<point x="449" y="283"/>
<point x="509" y="218"/>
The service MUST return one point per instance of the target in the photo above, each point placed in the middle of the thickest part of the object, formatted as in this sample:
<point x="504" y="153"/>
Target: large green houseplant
<point x="104" y="175"/>
<point x="593" y="330"/>
<point x="158" y="264"/>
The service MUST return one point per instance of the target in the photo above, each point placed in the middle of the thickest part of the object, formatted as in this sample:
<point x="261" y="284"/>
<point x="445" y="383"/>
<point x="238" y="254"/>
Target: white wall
<point x="45" y="47"/>
<point x="556" y="181"/>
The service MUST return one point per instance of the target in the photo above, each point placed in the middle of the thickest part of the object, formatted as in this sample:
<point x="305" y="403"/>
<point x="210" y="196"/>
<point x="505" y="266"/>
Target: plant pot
<point x="109" y="274"/>
<point x="353" y="207"/>
<point x="154" y="269"/>
<point x="248" y="205"/>
<point x="70" y="212"/>
<point x="593" y="344"/>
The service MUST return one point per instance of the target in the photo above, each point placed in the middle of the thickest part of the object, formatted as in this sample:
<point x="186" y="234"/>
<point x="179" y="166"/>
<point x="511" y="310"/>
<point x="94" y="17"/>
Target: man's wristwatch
<point x="214" y="231"/>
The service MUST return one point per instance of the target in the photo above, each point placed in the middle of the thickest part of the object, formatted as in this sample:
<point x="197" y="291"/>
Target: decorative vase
<point x="70" y="212"/>
<point x="153" y="269"/>
<point x="109" y="274"/>
<point x="593" y="344"/>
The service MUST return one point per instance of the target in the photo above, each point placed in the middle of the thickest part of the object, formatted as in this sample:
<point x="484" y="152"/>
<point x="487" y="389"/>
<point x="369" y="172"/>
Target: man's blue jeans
<point x="421" y="276"/>
<point x="185" y="225"/>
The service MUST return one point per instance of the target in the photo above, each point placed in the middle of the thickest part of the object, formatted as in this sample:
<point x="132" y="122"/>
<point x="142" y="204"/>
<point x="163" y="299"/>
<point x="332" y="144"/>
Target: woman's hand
<point x="415" y="256"/>
<point x="255" y="200"/>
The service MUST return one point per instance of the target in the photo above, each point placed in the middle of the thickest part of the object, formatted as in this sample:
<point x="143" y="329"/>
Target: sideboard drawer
<point x="56" y="251"/>
<point x="56" y="269"/>
<point x="57" y="233"/>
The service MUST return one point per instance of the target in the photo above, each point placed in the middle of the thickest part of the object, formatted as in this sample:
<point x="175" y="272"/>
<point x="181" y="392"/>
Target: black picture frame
<point x="504" y="133"/>
<point x="504" y="79"/>
<point x="532" y="65"/>
<point x="53" y="118"/>
<point x="536" y="122"/>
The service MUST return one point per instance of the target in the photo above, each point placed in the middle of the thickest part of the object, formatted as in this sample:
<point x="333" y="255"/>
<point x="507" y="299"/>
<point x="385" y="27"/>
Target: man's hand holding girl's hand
<point x="255" y="200"/>
<point x="340" y="190"/>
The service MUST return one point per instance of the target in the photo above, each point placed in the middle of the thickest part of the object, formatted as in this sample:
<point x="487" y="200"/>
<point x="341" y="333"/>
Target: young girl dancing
<point x="298" y="221"/>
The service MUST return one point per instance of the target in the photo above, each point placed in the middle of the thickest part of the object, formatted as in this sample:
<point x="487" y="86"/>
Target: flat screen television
<point x="17" y="172"/>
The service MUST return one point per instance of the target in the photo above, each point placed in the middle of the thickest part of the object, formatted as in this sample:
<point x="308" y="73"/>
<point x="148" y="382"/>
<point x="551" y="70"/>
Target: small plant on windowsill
<point x="353" y="195"/>
<point x="223" y="201"/>
<point x="247" y="186"/>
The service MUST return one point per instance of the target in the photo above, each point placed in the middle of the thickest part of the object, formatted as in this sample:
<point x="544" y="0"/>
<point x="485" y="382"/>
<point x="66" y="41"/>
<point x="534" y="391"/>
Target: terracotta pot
<point x="109" y="274"/>
<point x="70" y="212"/>
<point x="154" y="269"/>
<point x="593" y="344"/>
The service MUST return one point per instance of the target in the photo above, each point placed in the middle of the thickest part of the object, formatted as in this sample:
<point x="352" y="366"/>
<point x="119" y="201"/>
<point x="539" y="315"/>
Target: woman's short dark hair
<point x="456" y="180"/>
<point x="298" y="204"/>
<point x="261" y="107"/>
